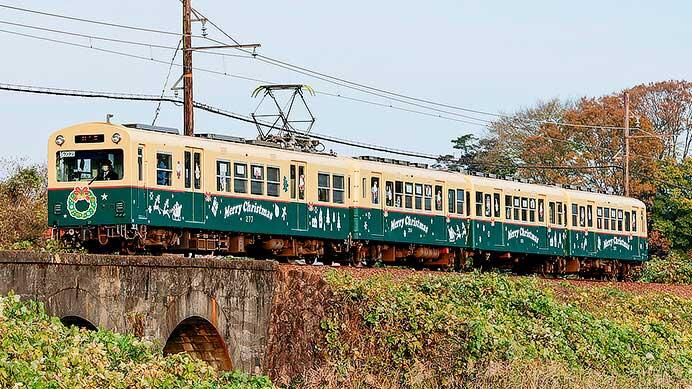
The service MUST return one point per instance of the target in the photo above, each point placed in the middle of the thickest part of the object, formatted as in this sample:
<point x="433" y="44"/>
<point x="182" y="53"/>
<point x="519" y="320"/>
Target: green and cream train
<point x="137" y="188"/>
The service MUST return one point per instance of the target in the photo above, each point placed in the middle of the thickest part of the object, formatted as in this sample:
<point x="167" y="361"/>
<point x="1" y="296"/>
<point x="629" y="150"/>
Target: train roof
<point x="146" y="133"/>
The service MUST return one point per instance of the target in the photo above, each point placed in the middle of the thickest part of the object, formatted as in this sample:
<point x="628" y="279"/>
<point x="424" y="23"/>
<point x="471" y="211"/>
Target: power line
<point x="151" y="58"/>
<point x="342" y="81"/>
<point x="165" y="83"/>
<point x="232" y="115"/>
<point x="123" y="26"/>
<point x="331" y="79"/>
<point x="241" y="77"/>
<point x="106" y="39"/>
<point x="204" y="107"/>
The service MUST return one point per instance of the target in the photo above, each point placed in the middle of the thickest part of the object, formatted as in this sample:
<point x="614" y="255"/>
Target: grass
<point x="456" y="330"/>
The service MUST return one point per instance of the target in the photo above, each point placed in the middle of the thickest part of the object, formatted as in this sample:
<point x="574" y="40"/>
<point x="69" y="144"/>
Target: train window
<point x="198" y="170"/>
<point x="613" y="219"/>
<point x="240" y="178"/>
<point x="599" y="218"/>
<point x="408" y="190"/>
<point x="559" y="212"/>
<point x="338" y="188"/>
<point x="301" y="182"/>
<point x="551" y="212"/>
<point x="438" y="197"/>
<point x="140" y="164"/>
<point x="460" y="201"/>
<point x="223" y="176"/>
<point x="323" y="187"/>
<point x="479" y="203"/>
<point x="488" y="205"/>
<point x="398" y="194"/>
<point x="532" y="210"/>
<point x="508" y="207"/>
<point x="164" y="169"/>
<point x="496" y="205"/>
<point x="575" y="211"/>
<point x="419" y="196"/>
<point x="606" y="218"/>
<point x="517" y="208"/>
<point x="541" y="210"/>
<point x="589" y="215"/>
<point x="188" y="169"/>
<point x="348" y="187"/>
<point x="389" y="193"/>
<point x="365" y="186"/>
<point x="273" y="180"/>
<point x="524" y="208"/>
<point x="627" y="221"/>
<point x="582" y="216"/>
<point x="634" y="221"/>
<point x="89" y="165"/>
<point x="452" y="202"/>
<point x="468" y="203"/>
<point x="257" y="180"/>
<point x="428" y="197"/>
<point x="293" y="181"/>
<point x="374" y="190"/>
<point x="620" y="216"/>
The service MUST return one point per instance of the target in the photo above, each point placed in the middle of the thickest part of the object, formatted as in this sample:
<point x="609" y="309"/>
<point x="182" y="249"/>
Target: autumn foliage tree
<point x="593" y="146"/>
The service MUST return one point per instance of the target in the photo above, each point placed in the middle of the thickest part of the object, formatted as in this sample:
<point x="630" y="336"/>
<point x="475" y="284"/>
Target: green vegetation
<point x="674" y="269"/>
<point x="477" y="328"/>
<point x="37" y="351"/>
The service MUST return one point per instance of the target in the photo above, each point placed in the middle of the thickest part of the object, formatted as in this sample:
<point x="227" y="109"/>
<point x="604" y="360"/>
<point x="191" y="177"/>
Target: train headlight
<point x="116" y="138"/>
<point x="59" y="140"/>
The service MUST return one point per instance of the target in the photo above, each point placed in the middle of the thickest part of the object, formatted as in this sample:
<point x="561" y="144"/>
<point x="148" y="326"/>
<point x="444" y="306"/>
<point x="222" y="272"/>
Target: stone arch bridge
<point x="217" y="310"/>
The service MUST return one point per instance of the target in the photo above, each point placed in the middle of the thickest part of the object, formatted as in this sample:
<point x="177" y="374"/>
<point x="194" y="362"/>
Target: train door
<point x="591" y="235"/>
<point x="298" y="183"/>
<point x="142" y="199"/>
<point x="377" y="222"/>
<point x="494" y="210"/>
<point x="194" y="174"/>
<point x="441" y="216"/>
<point x="542" y="222"/>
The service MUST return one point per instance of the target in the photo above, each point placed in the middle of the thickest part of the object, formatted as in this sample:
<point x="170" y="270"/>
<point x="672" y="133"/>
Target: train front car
<point x="89" y="172"/>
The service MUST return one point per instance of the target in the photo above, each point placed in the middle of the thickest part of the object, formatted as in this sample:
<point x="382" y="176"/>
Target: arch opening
<point x="76" y="321"/>
<point x="199" y="338"/>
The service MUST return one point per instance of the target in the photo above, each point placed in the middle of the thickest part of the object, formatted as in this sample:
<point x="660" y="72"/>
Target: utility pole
<point x="627" y="145"/>
<point x="188" y="110"/>
<point x="188" y="101"/>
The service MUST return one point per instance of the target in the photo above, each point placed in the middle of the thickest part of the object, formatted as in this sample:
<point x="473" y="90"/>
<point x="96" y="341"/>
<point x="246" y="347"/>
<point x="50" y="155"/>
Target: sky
<point x="495" y="56"/>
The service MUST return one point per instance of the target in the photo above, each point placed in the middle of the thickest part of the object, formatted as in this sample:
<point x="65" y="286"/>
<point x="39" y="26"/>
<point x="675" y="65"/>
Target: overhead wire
<point x="222" y="112"/>
<point x="403" y="98"/>
<point x="165" y="84"/>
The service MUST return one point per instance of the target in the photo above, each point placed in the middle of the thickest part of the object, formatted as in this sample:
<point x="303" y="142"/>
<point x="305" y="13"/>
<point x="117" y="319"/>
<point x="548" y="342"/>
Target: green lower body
<point x="198" y="211"/>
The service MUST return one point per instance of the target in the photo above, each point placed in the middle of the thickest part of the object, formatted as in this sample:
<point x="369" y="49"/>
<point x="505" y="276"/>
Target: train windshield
<point x="89" y="165"/>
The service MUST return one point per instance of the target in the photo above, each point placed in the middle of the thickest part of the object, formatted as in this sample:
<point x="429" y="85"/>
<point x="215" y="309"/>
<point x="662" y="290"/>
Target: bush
<point x="676" y="268"/>
<point x="38" y="351"/>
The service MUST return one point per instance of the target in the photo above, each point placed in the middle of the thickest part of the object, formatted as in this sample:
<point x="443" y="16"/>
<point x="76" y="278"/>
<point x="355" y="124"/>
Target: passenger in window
<point x="375" y="190"/>
<point x="438" y="200"/>
<point x="162" y="177"/>
<point x="389" y="194"/>
<point x="107" y="172"/>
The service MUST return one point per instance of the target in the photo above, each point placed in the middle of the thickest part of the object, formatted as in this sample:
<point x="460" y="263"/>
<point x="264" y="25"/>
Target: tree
<point x="667" y="106"/>
<point x="671" y="211"/>
<point x="23" y="203"/>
